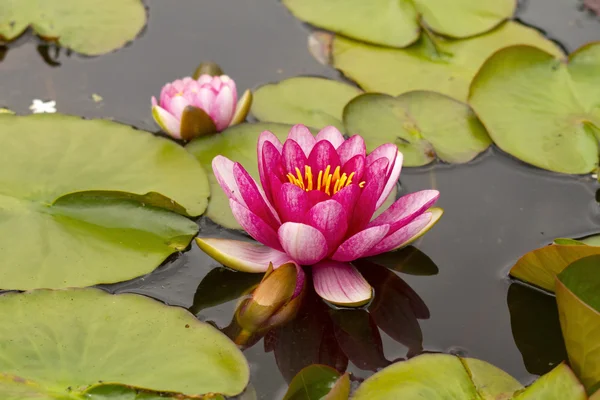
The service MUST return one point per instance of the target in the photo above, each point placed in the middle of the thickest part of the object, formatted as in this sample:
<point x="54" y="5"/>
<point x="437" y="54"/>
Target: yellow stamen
<point x="336" y="174"/>
<point x="350" y="178"/>
<point x="340" y="184"/>
<point x="327" y="184"/>
<point x="319" y="180"/>
<point x="300" y="180"/>
<point x="309" y="177"/>
<point x="361" y="185"/>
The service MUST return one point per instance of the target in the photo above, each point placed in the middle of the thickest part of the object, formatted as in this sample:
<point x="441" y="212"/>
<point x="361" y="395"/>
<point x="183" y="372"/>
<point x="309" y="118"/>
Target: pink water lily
<point x="315" y="208"/>
<point x="216" y="96"/>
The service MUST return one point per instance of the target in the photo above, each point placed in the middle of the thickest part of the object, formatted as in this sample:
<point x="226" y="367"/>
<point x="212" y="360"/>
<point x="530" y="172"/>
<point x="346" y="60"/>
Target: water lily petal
<point x="305" y="244"/>
<point x="392" y="178"/>
<point x="330" y="218"/>
<point x="366" y="204"/>
<point x="206" y="97"/>
<point x="293" y="157"/>
<point x="166" y="121"/>
<point x="341" y="284"/>
<point x="316" y="196"/>
<point x="177" y="105"/>
<point x="386" y="150"/>
<point x="301" y="135"/>
<point x="254" y="225"/>
<point x="253" y="196"/>
<point x="332" y="135"/>
<point x="223" y="108"/>
<point x="291" y="203"/>
<point x="323" y="155"/>
<point x="223" y="170"/>
<point x="401" y="236"/>
<point x="406" y="209"/>
<point x="242" y="256"/>
<point x="348" y="197"/>
<point x="269" y="166"/>
<point x="357" y="165"/>
<point x="352" y="147"/>
<point x="360" y="244"/>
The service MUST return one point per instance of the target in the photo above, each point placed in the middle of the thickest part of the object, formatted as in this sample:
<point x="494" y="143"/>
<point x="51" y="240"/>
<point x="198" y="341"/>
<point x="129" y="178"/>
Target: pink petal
<point x="223" y="170"/>
<point x="177" y="105"/>
<point x="293" y="157"/>
<point x="332" y="135"/>
<point x="301" y="135"/>
<point x="406" y="208"/>
<point x="347" y="197"/>
<point x="167" y="122"/>
<point x="402" y="235"/>
<point x="351" y="147"/>
<point x="270" y="164"/>
<point x="242" y="256"/>
<point x="392" y="179"/>
<point x="254" y="225"/>
<point x="330" y="218"/>
<point x="216" y="83"/>
<point x="204" y="79"/>
<point x="222" y="110"/>
<point x="154" y="102"/>
<point x="206" y="97"/>
<point x="357" y="165"/>
<point x="323" y="155"/>
<point x="230" y="83"/>
<point x="387" y="150"/>
<point x="291" y="203"/>
<point x="305" y="244"/>
<point x="340" y="283"/>
<point x="316" y="196"/>
<point x="360" y="244"/>
<point x="254" y="199"/>
<point x="366" y="203"/>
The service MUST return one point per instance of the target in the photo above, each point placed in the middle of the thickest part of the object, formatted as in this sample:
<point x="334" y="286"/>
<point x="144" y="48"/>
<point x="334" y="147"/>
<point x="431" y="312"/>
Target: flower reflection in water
<point x="318" y="333"/>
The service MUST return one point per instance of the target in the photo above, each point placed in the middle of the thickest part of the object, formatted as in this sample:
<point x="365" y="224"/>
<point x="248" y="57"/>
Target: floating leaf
<point x="61" y="342"/>
<point x="542" y="109"/>
<point x="312" y="383"/>
<point x="341" y="389"/>
<point x="558" y="384"/>
<point x="91" y="27"/>
<point x="540" y="267"/>
<point x="397" y="23"/>
<point x="310" y="101"/>
<point x="491" y="382"/>
<point x="237" y="143"/>
<point x="444" y="66"/>
<point x="536" y="328"/>
<point x="422" y="124"/>
<point x="578" y="298"/>
<point x="79" y="198"/>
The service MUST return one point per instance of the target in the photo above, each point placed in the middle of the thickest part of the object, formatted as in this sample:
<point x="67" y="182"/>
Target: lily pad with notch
<point x="422" y="124"/>
<point x="398" y="23"/>
<point x="65" y="344"/>
<point x="90" y="27"/>
<point x="433" y="63"/>
<point x="84" y="202"/>
<point x="542" y="109"/>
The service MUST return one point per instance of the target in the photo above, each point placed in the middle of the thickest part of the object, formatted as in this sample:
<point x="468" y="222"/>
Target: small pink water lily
<point x="177" y="111"/>
<point x="315" y="208"/>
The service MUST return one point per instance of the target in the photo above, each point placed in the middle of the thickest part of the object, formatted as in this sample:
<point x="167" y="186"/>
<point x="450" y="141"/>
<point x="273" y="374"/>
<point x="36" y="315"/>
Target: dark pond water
<point x="496" y="208"/>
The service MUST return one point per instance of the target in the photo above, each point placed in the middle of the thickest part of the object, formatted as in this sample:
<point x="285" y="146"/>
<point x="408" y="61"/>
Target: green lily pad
<point x="441" y="65"/>
<point x="397" y="23"/>
<point x="312" y="383"/>
<point x="541" y="109"/>
<point x="578" y="298"/>
<point x="86" y="202"/>
<point x="90" y="27"/>
<point x="310" y="101"/>
<point x="540" y="267"/>
<point x="422" y="124"/>
<point x="437" y="377"/>
<point x="558" y="384"/>
<point x="56" y="344"/>
<point x="237" y="143"/>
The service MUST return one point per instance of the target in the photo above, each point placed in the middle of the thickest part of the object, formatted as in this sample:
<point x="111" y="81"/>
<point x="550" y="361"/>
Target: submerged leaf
<point x="63" y="341"/>
<point x="541" y="109"/>
<point x="578" y="298"/>
<point x="444" y="66"/>
<point x="90" y="27"/>
<point x="87" y="202"/>
<point x="422" y="124"/>
<point x="397" y="23"/>
<point x="310" y="101"/>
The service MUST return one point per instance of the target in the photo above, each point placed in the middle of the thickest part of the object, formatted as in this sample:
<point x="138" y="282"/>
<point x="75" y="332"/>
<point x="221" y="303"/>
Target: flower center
<point x="328" y="182"/>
